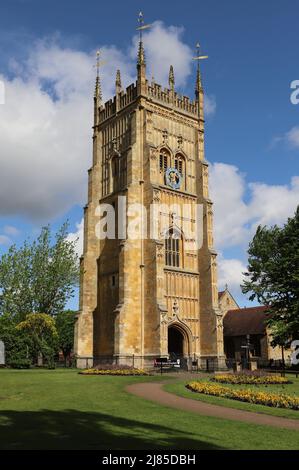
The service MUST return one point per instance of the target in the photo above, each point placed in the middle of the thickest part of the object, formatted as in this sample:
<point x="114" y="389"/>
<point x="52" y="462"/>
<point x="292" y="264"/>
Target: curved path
<point x="153" y="391"/>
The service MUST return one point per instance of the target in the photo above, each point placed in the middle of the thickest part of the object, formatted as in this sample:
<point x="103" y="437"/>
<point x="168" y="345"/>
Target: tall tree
<point x="38" y="277"/>
<point x="273" y="276"/>
<point x="41" y="330"/>
<point x="65" y="323"/>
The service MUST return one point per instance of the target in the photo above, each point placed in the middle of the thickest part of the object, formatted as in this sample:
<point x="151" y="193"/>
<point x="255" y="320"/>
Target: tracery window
<point x="164" y="160"/>
<point x="173" y="248"/>
<point x="180" y="165"/>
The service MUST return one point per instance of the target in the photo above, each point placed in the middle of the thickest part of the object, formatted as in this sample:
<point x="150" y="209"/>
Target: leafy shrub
<point x="246" y="395"/>
<point x="20" y="363"/>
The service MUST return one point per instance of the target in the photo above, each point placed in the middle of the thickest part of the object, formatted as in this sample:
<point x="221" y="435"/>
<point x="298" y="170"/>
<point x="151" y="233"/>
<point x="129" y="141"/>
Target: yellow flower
<point x="262" y="398"/>
<point x="113" y="372"/>
<point x="250" y="379"/>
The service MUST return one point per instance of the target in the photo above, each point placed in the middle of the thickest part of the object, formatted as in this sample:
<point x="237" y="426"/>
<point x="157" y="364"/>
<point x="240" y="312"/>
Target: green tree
<point x="65" y="324"/>
<point x="280" y="336"/>
<point x="17" y="343"/>
<point x="38" y="277"/>
<point x="273" y="276"/>
<point x="41" y="330"/>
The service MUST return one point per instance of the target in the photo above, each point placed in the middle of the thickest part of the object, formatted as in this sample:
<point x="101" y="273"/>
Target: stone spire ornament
<point x="141" y="28"/>
<point x="98" y="90"/>
<point x="171" y="78"/>
<point x="198" y="84"/>
<point x="198" y="57"/>
<point x="118" y="82"/>
<point x="141" y="73"/>
<point x="141" y="54"/>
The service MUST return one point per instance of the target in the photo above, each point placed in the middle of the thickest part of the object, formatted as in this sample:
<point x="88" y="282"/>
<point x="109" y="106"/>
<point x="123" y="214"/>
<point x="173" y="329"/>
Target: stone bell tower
<point x="148" y="296"/>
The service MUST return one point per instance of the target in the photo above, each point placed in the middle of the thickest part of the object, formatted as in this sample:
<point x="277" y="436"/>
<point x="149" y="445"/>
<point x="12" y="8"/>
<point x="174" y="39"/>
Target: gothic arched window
<point x="164" y="160"/>
<point x="173" y="248"/>
<point x="115" y="172"/>
<point x="180" y="165"/>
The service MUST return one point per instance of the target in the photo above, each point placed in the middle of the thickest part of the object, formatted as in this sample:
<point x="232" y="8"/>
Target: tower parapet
<point x="171" y="98"/>
<point x="154" y="92"/>
<point x="126" y="98"/>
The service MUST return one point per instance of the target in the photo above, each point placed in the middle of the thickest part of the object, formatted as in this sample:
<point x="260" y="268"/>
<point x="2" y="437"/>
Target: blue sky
<point x="252" y="128"/>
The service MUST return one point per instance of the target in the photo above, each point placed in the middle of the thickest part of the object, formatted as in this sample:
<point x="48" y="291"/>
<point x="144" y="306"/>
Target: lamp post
<point x="247" y="348"/>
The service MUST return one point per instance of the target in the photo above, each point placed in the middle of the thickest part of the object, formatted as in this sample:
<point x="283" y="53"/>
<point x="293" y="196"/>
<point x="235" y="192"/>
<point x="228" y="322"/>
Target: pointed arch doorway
<point x="175" y="342"/>
<point x="178" y="342"/>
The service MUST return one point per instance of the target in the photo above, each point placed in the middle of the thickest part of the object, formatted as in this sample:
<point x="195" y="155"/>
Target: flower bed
<point x="250" y="396"/>
<point x="122" y="371"/>
<point x="253" y="379"/>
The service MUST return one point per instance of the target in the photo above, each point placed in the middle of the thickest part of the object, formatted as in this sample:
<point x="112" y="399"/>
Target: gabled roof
<point x="226" y="291"/>
<point x="245" y="321"/>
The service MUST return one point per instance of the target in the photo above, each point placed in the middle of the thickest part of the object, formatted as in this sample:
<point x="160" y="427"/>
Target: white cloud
<point x="78" y="237"/>
<point x="45" y="130"/>
<point x="236" y="218"/>
<point x="239" y="207"/>
<point x="45" y="125"/>
<point x="11" y="230"/>
<point x="164" y="47"/>
<point x="4" y="240"/>
<point x="227" y="186"/>
<point x="230" y="272"/>
<point x="292" y="137"/>
<point x="209" y="105"/>
<point x="272" y="204"/>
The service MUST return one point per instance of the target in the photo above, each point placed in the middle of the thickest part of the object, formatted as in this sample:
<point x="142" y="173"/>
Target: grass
<point x="61" y="409"/>
<point x="179" y="388"/>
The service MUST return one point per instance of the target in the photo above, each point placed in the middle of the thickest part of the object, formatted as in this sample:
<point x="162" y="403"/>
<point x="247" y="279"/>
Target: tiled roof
<point x="245" y="321"/>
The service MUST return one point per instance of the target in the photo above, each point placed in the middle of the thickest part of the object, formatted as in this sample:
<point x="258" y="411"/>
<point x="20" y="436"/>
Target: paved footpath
<point x="153" y="391"/>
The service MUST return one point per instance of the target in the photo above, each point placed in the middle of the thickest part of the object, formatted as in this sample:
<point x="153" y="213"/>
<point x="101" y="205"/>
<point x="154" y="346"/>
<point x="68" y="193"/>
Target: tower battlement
<point x="171" y="98"/>
<point x="154" y="92"/>
<point x="118" y="102"/>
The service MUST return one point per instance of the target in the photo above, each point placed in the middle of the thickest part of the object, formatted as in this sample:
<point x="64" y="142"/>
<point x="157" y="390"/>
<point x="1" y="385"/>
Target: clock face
<point x="173" y="178"/>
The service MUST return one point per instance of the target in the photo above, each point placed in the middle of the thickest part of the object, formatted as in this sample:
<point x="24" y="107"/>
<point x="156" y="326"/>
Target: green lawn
<point x="60" y="409"/>
<point x="290" y="389"/>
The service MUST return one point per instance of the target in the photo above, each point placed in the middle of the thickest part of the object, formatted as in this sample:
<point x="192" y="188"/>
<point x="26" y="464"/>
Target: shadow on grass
<point x="71" y="429"/>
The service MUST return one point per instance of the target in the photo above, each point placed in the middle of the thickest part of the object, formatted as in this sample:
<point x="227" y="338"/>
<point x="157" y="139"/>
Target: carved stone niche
<point x="219" y="321"/>
<point x="205" y="172"/>
<point x="156" y="196"/>
<point x="165" y="136"/>
<point x="210" y="208"/>
<point x="159" y="249"/>
<point x="114" y="149"/>
<point x="153" y="154"/>
<point x="214" y="261"/>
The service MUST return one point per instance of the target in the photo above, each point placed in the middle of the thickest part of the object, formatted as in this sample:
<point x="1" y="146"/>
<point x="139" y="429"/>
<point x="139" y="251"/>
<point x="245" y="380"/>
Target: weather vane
<point x="198" y="56"/>
<point x="141" y="26"/>
<point x="98" y="62"/>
